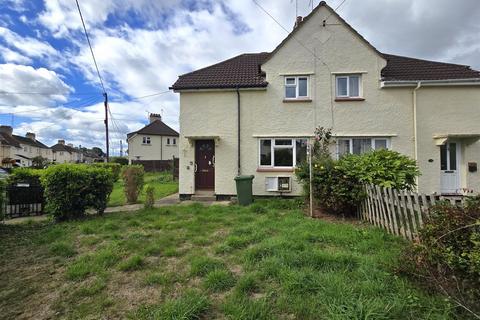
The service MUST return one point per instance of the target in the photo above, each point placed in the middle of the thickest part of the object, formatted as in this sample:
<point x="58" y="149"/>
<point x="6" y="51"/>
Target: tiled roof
<point x="62" y="147"/>
<point x="405" y="68"/>
<point x="30" y="142"/>
<point x="8" y="140"/>
<point x="242" y="71"/>
<point x="157" y="127"/>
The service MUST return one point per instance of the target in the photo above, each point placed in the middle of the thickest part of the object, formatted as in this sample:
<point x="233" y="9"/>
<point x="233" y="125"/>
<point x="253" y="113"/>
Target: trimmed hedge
<point x="115" y="168"/>
<point x="70" y="189"/>
<point x="32" y="176"/>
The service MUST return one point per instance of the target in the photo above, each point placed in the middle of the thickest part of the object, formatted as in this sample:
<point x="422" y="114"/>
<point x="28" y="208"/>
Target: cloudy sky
<point x="142" y="46"/>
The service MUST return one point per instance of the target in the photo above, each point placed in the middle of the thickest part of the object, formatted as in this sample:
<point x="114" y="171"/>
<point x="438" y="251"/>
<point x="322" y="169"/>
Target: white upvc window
<point x="282" y="152"/>
<point x="349" y="86"/>
<point x="360" y="145"/>
<point x="297" y="87"/>
<point x="146" y="140"/>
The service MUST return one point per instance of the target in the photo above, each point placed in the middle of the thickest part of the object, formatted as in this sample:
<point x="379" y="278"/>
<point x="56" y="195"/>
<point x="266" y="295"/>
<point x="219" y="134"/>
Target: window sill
<point x="275" y="169"/>
<point x="146" y="144"/>
<point x="296" y="100"/>
<point x="349" y="99"/>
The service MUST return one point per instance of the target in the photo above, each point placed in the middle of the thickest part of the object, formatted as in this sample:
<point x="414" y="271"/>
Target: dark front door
<point x="204" y="164"/>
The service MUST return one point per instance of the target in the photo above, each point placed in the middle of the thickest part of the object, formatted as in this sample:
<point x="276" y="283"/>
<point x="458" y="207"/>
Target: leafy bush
<point x="71" y="189"/>
<point x="385" y="168"/>
<point x="447" y="256"/>
<point x="337" y="184"/>
<point x="120" y="160"/>
<point x="39" y="162"/>
<point x="115" y="168"/>
<point x="149" y="197"/>
<point x="29" y="175"/>
<point x="133" y="178"/>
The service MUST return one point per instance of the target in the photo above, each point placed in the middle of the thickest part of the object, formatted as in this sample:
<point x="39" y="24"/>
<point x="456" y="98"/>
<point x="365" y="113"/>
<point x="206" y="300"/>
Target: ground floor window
<point x="360" y="145"/>
<point x="281" y="152"/>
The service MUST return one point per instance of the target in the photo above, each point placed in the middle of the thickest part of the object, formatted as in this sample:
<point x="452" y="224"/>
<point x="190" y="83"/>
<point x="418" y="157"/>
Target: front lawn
<point x="162" y="183"/>
<point x="267" y="261"/>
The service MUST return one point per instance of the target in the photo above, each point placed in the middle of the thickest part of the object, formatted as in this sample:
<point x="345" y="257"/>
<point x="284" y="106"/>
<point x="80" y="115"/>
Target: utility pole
<point x="106" y="125"/>
<point x="121" y="148"/>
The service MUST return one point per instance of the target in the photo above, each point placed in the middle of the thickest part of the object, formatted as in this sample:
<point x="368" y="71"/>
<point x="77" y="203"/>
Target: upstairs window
<point x="146" y="140"/>
<point x="168" y="141"/>
<point x="348" y="86"/>
<point x="296" y="87"/>
<point x="174" y="141"/>
<point x="360" y="145"/>
<point x="282" y="153"/>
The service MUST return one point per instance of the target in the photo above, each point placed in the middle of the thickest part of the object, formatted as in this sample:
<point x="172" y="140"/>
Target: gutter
<point x="409" y="83"/>
<point x="238" y="131"/>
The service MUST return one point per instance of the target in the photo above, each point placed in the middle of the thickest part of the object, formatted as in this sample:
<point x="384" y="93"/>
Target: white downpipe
<point x="415" y="152"/>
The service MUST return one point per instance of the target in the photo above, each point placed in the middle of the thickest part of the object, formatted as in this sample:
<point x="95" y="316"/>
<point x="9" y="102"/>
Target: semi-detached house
<point x="253" y="114"/>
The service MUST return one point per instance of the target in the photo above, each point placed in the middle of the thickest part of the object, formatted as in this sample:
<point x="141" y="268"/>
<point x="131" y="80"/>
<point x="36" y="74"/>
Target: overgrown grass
<point x="161" y="182"/>
<point x="267" y="261"/>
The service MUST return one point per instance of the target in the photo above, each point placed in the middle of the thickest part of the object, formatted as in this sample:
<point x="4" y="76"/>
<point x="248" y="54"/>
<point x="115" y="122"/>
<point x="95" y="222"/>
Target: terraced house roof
<point x="157" y="127"/>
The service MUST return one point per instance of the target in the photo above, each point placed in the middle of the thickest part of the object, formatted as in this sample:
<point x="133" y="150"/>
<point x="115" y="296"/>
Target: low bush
<point x="27" y="175"/>
<point x="120" y="160"/>
<point x="133" y="178"/>
<point x="149" y="197"/>
<point x="70" y="189"/>
<point x="115" y="168"/>
<point x="447" y="255"/>
<point x="338" y="184"/>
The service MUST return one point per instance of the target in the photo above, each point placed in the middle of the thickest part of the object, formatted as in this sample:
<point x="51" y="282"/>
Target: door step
<point x="204" y="197"/>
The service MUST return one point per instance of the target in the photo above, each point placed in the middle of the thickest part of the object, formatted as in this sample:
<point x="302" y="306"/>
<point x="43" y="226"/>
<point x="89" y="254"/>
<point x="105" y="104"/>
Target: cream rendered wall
<point x="153" y="151"/>
<point x="385" y="112"/>
<point x="447" y="110"/>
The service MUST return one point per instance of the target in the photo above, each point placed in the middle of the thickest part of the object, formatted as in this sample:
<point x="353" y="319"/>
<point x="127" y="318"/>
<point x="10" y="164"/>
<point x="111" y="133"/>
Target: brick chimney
<point x="62" y="142"/>
<point x="30" y="135"/>
<point x="6" y="129"/>
<point x="297" y="22"/>
<point x="155" y="116"/>
<point x="70" y="145"/>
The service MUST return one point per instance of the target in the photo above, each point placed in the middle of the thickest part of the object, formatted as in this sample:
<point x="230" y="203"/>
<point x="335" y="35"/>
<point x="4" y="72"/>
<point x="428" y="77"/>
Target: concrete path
<point x="170" y="200"/>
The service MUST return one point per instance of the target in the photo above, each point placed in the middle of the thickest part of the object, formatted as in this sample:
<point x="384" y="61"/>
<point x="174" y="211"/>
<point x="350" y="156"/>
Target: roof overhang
<point x="192" y="139"/>
<point x="430" y="83"/>
<point x="441" y="139"/>
<point x="262" y="88"/>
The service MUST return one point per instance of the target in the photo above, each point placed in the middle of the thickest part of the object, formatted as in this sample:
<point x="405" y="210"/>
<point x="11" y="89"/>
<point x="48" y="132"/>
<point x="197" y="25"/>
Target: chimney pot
<point x="30" y="135"/>
<point x="298" y="21"/>
<point x="61" y="142"/>
<point x="6" y="129"/>
<point x="155" y="116"/>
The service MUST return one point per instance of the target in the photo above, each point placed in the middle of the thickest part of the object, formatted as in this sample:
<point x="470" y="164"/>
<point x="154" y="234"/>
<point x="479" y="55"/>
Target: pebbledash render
<point x="252" y="114"/>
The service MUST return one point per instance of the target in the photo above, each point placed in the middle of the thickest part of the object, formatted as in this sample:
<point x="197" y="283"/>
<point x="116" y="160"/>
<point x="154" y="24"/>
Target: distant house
<point x="66" y="153"/>
<point x="155" y="141"/>
<point x="19" y="151"/>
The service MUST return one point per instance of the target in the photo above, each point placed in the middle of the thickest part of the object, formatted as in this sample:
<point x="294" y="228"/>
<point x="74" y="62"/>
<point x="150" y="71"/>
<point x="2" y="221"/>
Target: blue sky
<point x="142" y="46"/>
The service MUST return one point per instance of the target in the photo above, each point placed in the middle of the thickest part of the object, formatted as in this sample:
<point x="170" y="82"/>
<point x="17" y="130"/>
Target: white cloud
<point x="25" y="79"/>
<point x="9" y="55"/>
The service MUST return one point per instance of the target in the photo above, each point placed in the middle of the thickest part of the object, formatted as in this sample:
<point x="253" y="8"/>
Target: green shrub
<point x="29" y="175"/>
<point x="70" y="189"/>
<point x="2" y="200"/>
<point x="40" y="162"/>
<point x="115" y="168"/>
<point x="133" y="178"/>
<point x="149" y="197"/>
<point x="447" y="257"/>
<point x="120" y="160"/>
<point x="337" y="185"/>
<point x="385" y="168"/>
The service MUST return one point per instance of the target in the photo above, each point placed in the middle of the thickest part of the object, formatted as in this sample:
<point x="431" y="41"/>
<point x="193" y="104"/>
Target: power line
<point x="48" y="94"/>
<point x="150" y="95"/>
<point x="335" y="10"/>
<point x="90" y="45"/>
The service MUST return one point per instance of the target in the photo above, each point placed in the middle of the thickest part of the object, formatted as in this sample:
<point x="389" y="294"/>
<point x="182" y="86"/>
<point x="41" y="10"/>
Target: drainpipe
<point x="238" y="131"/>
<point x="415" y="153"/>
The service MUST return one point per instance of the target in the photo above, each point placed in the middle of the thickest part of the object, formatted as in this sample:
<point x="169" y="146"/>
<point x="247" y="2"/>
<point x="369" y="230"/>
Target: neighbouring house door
<point x="449" y="168"/>
<point x="204" y="164"/>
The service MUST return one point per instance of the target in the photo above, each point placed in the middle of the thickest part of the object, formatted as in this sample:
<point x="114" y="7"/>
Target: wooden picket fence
<point x="399" y="212"/>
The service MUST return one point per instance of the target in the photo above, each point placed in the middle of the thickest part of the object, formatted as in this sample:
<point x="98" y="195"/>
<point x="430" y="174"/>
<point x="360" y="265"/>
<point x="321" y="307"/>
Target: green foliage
<point x="149" y="197"/>
<point x="133" y="179"/>
<point x="135" y="262"/>
<point x="202" y="265"/>
<point x="447" y="257"/>
<point x="29" y="175"/>
<point x="2" y="200"/>
<point x="219" y="280"/>
<point x="385" y="168"/>
<point x="120" y="160"/>
<point x="39" y="162"/>
<point x="70" y="189"/>
<point x="115" y="168"/>
<point x="337" y="185"/>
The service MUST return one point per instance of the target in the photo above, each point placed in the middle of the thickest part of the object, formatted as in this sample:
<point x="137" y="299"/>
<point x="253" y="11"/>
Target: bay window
<point x="282" y="153"/>
<point x="296" y="87"/>
<point x="360" y="145"/>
